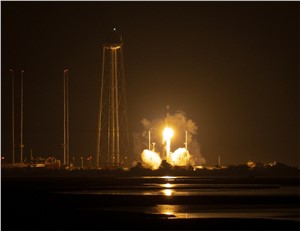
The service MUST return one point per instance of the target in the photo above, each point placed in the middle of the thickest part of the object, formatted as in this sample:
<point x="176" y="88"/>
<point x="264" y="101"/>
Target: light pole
<point x="13" y="115"/>
<point x="21" y="145"/>
<point x="149" y="137"/>
<point x="66" y="118"/>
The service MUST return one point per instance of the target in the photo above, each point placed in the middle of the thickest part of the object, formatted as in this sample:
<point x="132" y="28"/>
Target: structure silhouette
<point x="112" y="138"/>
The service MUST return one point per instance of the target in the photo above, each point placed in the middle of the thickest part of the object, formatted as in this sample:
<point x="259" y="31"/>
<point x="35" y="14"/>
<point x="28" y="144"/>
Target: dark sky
<point x="232" y="67"/>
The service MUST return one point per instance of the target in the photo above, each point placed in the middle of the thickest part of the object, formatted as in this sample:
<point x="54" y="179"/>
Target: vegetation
<point x="165" y="169"/>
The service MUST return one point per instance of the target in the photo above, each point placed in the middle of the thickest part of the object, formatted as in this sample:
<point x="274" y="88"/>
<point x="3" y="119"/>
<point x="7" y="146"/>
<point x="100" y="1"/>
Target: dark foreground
<point x="78" y="203"/>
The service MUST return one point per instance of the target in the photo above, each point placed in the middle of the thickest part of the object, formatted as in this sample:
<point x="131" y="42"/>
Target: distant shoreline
<point x="241" y="171"/>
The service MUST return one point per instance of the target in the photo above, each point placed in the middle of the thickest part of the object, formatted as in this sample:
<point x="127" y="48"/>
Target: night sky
<point x="231" y="67"/>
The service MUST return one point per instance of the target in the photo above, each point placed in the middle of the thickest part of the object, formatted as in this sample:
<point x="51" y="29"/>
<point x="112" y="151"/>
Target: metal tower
<point x="112" y="138"/>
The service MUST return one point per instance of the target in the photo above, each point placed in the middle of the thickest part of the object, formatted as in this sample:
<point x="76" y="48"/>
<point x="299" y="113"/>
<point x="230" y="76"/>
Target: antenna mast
<point x="186" y="140"/>
<point x="21" y="145"/>
<point x="66" y="119"/>
<point x="13" y="115"/>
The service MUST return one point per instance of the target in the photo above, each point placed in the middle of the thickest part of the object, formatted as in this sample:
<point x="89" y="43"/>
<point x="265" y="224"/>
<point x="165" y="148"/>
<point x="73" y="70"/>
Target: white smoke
<point x="151" y="159"/>
<point x="180" y="124"/>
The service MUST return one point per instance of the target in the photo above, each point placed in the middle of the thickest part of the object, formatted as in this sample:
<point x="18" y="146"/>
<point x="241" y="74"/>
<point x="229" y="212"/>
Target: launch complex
<point x="112" y="138"/>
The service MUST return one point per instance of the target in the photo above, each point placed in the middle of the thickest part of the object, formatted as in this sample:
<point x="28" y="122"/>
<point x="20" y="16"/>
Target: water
<point x="96" y="202"/>
<point x="185" y="198"/>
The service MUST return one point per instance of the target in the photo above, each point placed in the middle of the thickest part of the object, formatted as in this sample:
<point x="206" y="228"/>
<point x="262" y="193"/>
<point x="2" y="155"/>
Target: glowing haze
<point x="184" y="149"/>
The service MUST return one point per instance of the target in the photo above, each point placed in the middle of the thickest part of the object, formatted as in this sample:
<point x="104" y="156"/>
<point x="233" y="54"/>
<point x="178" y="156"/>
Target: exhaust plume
<point x="184" y="130"/>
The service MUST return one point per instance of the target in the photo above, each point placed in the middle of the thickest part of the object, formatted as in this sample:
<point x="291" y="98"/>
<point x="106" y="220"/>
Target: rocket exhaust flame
<point x="167" y="135"/>
<point x="179" y="158"/>
<point x="182" y="155"/>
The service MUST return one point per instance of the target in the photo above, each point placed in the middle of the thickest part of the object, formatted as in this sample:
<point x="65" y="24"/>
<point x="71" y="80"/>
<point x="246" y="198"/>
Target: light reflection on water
<point x="166" y="209"/>
<point x="172" y="190"/>
<point x="167" y="185"/>
<point x="197" y="211"/>
<point x="167" y="192"/>
<point x="179" y="211"/>
<point x="171" y="187"/>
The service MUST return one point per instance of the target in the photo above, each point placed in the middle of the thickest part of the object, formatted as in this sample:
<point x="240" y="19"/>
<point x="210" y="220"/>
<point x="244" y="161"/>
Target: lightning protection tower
<point x="66" y="118"/>
<point x="112" y="138"/>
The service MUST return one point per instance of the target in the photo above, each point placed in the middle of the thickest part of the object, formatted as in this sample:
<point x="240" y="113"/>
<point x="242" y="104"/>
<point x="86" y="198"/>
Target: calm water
<point x="181" y="197"/>
<point x="157" y="203"/>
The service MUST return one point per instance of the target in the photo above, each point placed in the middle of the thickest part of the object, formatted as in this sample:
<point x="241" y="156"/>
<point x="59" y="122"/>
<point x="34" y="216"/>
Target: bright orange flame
<point x="180" y="157"/>
<point x="167" y="135"/>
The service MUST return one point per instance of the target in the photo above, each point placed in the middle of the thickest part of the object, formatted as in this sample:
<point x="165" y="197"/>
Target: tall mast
<point x="186" y="140"/>
<point x="149" y="140"/>
<point x="113" y="110"/>
<point x="117" y="110"/>
<point x="65" y="137"/>
<point x="67" y="115"/>
<point x="66" y="119"/>
<point x="13" y="115"/>
<point x="21" y="145"/>
<point x="100" y="112"/>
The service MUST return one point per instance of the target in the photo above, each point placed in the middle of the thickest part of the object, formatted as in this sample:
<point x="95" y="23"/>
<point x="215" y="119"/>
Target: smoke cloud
<point x="180" y="124"/>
